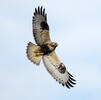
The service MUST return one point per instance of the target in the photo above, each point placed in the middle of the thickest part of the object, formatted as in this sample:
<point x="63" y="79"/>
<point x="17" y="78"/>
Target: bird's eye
<point x="52" y="45"/>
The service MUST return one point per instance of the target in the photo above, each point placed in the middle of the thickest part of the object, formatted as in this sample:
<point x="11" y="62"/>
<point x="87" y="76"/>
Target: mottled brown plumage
<point x="45" y="50"/>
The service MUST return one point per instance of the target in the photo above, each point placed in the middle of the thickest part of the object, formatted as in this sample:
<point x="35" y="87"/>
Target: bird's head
<point x="52" y="45"/>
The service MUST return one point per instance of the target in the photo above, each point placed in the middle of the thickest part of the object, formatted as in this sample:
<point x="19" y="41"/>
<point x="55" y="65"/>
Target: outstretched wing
<point x="58" y="70"/>
<point x="40" y="26"/>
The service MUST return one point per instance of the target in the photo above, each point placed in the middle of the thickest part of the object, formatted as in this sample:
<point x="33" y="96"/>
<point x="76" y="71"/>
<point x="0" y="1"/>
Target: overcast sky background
<point x="75" y="25"/>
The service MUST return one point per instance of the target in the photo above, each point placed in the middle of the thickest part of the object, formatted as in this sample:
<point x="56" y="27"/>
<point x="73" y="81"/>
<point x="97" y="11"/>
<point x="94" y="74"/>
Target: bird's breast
<point x="45" y="49"/>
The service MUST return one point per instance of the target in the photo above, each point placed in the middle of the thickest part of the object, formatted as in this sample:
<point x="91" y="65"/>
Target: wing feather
<point x="58" y="70"/>
<point x="40" y="26"/>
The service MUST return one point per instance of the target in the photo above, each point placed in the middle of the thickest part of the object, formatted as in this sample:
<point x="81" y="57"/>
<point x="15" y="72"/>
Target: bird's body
<point x="45" y="50"/>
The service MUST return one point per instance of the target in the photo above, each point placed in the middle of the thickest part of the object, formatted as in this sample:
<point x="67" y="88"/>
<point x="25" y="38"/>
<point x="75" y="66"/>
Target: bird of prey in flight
<point x="45" y="49"/>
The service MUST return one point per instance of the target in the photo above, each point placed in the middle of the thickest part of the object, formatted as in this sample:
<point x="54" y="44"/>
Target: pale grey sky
<point x="75" y="25"/>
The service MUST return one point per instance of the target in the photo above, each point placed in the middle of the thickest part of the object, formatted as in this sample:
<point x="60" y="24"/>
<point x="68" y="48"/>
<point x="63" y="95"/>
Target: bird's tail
<point x="33" y="53"/>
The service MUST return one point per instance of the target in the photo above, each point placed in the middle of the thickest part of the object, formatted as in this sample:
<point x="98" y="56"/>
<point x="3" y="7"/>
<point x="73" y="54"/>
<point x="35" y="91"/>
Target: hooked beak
<point x="56" y="44"/>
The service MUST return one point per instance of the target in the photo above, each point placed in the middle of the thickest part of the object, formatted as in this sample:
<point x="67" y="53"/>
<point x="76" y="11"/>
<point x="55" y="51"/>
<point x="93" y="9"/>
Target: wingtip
<point x="71" y="81"/>
<point x="41" y="11"/>
<point x="67" y="85"/>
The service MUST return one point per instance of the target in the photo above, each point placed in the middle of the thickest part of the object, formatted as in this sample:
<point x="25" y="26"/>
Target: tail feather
<point x="33" y="53"/>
